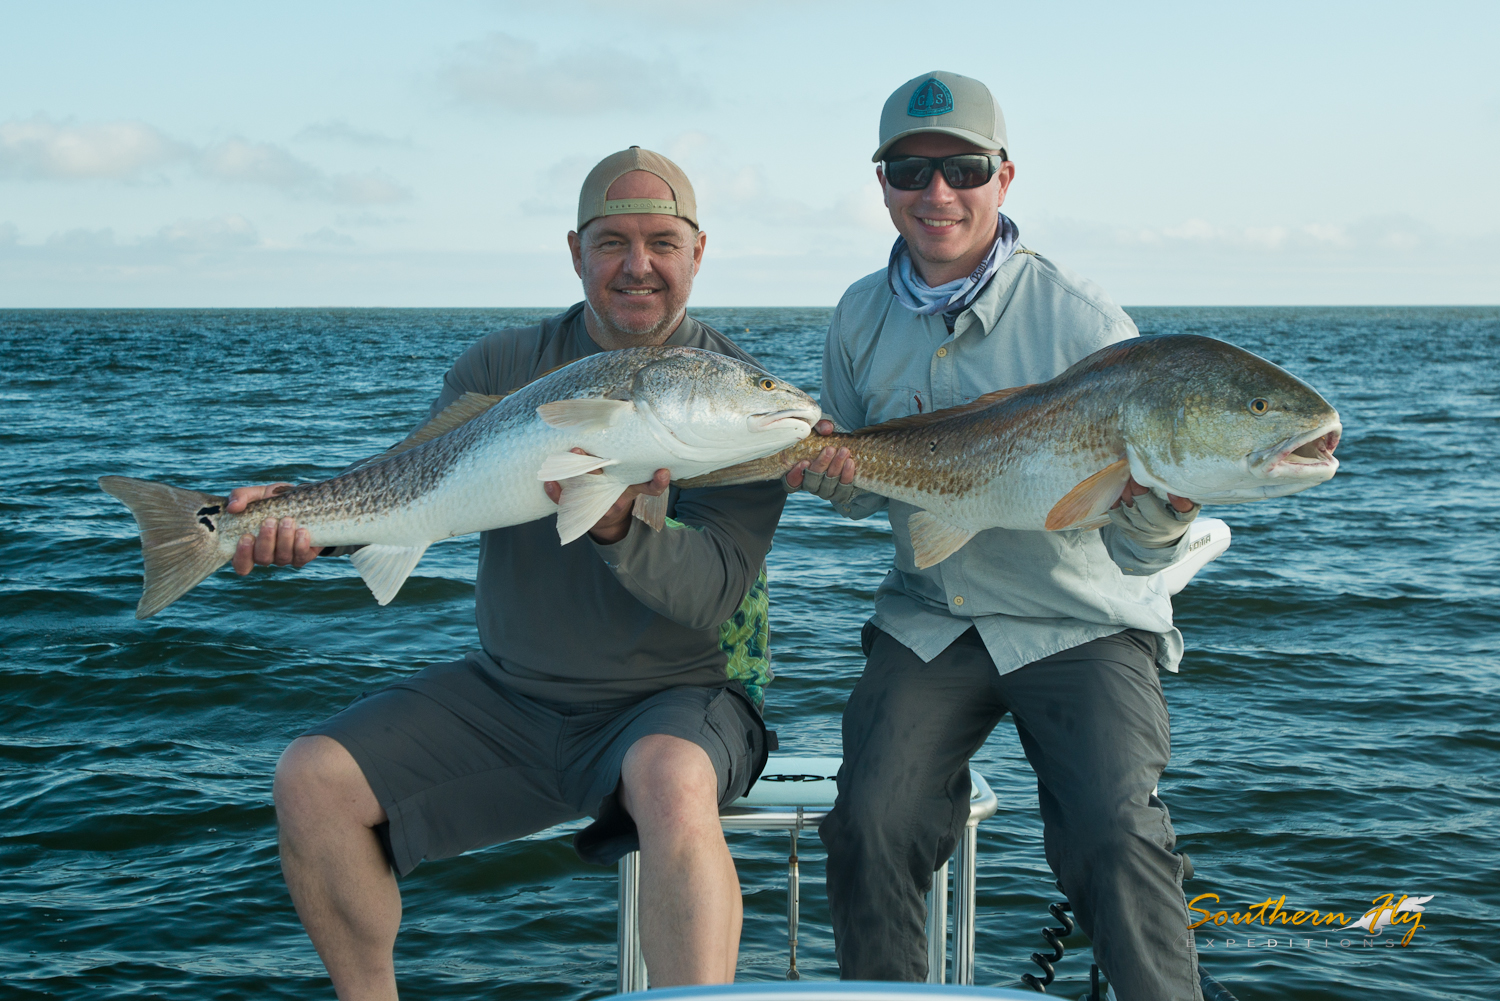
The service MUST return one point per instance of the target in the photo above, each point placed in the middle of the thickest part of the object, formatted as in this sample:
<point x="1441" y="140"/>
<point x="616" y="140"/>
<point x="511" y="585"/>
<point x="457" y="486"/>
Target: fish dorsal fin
<point x="587" y="414"/>
<point x="461" y="411"/>
<point x="652" y="510"/>
<point x="933" y="540"/>
<point x="922" y="420"/>
<point x="385" y="568"/>
<point x="1090" y="499"/>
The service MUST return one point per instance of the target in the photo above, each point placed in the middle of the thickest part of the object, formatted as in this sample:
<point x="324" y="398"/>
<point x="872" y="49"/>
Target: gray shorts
<point x="459" y="762"/>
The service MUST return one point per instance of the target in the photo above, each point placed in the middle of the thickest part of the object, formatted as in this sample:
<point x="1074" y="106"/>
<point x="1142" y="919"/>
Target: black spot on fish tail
<point x="207" y="524"/>
<point x="211" y="509"/>
<point x="932" y="446"/>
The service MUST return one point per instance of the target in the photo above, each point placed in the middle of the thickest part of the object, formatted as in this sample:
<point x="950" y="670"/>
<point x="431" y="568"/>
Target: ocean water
<point x="1334" y="725"/>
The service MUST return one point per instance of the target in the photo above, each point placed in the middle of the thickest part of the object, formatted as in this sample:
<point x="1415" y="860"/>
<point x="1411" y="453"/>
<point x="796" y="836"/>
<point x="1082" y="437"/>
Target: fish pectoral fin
<point x="385" y="568"/>
<point x="566" y="465"/>
<point x="590" y="414"/>
<point x="652" y="510"/>
<point x="584" y="501"/>
<point x="933" y="540"/>
<point x="1090" y="499"/>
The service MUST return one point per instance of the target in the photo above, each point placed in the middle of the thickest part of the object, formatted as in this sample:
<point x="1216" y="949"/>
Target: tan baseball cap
<point x="591" y="201"/>
<point x="942" y="102"/>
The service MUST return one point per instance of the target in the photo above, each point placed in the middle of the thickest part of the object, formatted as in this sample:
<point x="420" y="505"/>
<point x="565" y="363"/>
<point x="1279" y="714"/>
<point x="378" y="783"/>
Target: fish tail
<point x="179" y="537"/>
<point x="772" y="467"/>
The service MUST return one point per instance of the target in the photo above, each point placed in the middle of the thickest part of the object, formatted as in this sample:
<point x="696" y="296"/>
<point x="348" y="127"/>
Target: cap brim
<point x="982" y="141"/>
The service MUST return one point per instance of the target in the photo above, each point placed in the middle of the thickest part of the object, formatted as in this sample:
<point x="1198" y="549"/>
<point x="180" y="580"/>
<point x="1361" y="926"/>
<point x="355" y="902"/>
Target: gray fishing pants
<point x="1093" y="724"/>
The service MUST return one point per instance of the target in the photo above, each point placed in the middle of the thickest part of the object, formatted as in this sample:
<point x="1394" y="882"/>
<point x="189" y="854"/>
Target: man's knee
<point x="667" y="780"/>
<point x="1130" y="838"/>
<point x="317" y="777"/>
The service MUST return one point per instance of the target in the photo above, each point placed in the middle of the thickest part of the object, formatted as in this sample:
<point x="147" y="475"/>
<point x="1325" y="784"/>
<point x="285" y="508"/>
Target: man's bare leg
<point x="690" y="895"/>
<point x="343" y="889"/>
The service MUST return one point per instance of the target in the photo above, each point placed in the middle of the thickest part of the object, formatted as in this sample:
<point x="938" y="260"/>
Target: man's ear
<point x="698" y="245"/>
<point x="1007" y="174"/>
<point x="575" y="247"/>
<point x="885" y="192"/>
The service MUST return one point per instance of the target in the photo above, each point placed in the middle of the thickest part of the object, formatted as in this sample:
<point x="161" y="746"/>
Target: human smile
<point x="938" y="223"/>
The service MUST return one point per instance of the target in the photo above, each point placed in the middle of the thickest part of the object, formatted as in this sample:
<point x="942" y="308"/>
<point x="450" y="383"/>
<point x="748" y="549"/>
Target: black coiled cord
<point x="1054" y="937"/>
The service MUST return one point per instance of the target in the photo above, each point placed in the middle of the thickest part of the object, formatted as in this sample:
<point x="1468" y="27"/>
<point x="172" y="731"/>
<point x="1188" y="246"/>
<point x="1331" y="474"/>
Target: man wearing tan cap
<point x="1062" y="630"/>
<point x="618" y="677"/>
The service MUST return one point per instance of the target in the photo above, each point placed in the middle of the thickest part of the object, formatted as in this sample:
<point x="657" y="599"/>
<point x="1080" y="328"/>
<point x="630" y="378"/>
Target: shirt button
<point x="958" y="599"/>
<point x="942" y="352"/>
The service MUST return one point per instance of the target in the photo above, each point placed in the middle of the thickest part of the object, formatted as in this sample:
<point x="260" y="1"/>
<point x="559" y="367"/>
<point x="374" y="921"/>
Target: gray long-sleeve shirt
<point x="593" y="623"/>
<point x="1030" y="594"/>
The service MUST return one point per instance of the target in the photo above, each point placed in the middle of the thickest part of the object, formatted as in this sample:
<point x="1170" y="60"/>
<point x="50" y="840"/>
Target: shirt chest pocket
<point x="889" y="402"/>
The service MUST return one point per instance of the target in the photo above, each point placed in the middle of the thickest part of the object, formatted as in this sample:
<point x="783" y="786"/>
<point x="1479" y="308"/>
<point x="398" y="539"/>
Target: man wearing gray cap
<point x="618" y="677"/>
<point x="1050" y="627"/>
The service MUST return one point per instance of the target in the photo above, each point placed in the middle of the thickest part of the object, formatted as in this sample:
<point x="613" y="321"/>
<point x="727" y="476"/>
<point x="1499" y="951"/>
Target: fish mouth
<point x="1307" y="454"/>
<point x="780" y="419"/>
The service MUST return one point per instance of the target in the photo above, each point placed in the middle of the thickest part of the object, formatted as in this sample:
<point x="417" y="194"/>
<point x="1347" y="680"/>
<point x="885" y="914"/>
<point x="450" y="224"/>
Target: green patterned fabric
<point x="746" y="637"/>
<point x="746" y="641"/>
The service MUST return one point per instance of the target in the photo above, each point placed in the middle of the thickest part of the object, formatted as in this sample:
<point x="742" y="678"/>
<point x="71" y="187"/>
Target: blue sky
<point x="403" y="154"/>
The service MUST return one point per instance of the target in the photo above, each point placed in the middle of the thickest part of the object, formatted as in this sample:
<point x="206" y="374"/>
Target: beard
<point x="629" y="327"/>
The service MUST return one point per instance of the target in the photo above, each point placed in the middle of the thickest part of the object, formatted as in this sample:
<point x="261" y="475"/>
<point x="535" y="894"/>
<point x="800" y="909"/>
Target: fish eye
<point x="768" y="384"/>
<point x="1259" y="406"/>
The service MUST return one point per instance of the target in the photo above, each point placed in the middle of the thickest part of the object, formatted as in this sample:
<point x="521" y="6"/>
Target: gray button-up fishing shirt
<point x="1030" y="594"/>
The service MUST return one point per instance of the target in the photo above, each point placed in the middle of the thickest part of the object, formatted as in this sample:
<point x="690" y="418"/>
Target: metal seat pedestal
<point x="795" y="794"/>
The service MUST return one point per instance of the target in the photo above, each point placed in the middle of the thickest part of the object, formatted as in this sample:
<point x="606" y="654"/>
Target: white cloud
<point x="245" y="162"/>
<point x="557" y="187"/>
<point x="241" y="161"/>
<point x="224" y="233"/>
<point x="82" y="239"/>
<point x="41" y="149"/>
<point x="1391" y="233"/>
<point x="513" y="75"/>
<point x="1377" y="259"/>
<point x="340" y="131"/>
<point x="328" y="237"/>
<point x="372" y="188"/>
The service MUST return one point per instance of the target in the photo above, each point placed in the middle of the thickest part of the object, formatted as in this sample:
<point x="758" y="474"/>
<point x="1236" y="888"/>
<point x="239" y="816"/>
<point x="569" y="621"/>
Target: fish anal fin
<point x="652" y="510"/>
<point x="385" y="568"/>
<point x="588" y="414"/>
<point x="933" y="539"/>
<point x="922" y="420"/>
<point x="566" y="465"/>
<point x="585" y="499"/>
<point x="1090" y="499"/>
<point x="456" y="414"/>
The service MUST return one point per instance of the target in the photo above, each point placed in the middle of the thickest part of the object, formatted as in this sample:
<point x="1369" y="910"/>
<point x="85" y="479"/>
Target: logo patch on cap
<point x="932" y="97"/>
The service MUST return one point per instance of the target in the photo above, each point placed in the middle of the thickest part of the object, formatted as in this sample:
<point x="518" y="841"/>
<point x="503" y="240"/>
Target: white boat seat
<point x="794" y="794"/>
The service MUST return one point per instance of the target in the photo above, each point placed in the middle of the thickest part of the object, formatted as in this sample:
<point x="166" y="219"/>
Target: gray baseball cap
<point x="942" y="102"/>
<point x="592" y="204"/>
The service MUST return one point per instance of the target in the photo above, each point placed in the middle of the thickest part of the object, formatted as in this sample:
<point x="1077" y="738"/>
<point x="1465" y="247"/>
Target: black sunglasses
<point x="965" y="170"/>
